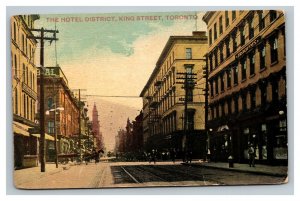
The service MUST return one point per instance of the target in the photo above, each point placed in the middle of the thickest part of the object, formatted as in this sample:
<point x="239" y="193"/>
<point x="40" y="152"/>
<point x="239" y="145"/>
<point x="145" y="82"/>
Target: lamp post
<point x="55" y="132"/>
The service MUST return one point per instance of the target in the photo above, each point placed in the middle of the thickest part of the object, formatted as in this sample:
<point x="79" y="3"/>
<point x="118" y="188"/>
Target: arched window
<point x="16" y="66"/>
<point x="15" y="32"/>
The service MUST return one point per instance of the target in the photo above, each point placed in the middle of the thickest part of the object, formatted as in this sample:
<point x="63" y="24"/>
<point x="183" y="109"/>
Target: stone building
<point x="247" y="85"/>
<point x="164" y="97"/>
<point x="24" y="89"/>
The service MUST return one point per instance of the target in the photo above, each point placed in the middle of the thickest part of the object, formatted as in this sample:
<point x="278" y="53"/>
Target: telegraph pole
<point x="79" y="119"/>
<point x="205" y="73"/>
<point x="42" y="106"/>
<point x="188" y="83"/>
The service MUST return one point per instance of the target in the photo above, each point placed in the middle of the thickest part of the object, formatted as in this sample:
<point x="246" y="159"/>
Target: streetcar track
<point x="132" y="177"/>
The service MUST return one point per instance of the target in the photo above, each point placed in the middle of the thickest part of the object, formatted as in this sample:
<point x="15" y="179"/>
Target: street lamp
<point x="55" y="133"/>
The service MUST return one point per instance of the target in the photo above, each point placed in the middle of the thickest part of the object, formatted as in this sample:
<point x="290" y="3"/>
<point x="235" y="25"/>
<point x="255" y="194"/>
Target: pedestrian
<point x="173" y="155"/>
<point x="251" y="153"/>
<point x="190" y="156"/>
<point x="208" y="155"/>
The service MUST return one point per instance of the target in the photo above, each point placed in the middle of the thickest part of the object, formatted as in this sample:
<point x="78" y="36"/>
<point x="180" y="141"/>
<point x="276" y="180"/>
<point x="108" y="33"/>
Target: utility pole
<point x="42" y="106"/>
<point x="188" y="83"/>
<point x="205" y="73"/>
<point x="79" y="120"/>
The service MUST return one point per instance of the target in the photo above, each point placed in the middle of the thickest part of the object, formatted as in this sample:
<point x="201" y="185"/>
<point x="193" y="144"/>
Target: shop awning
<point x="21" y="129"/>
<point x="47" y="136"/>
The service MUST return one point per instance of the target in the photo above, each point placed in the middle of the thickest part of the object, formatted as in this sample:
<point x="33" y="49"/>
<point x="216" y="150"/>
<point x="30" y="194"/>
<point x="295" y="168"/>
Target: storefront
<point x="25" y="147"/>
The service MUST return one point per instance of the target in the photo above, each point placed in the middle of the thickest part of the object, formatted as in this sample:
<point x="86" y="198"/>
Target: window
<point x="217" y="85"/>
<point x="51" y="129"/>
<point x="210" y="37"/>
<point x="226" y="18"/>
<point x="24" y="106"/>
<point x="253" y="99"/>
<point x="236" y="105"/>
<point x="229" y="106"/>
<point x="221" y="53"/>
<point x="210" y="63"/>
<point x="222" y="82"/>
<point x="24" y="73"/>
<point x="222" y="109"/>
<point x="15" y="32"/>
<point x="220" y="25"/>
<point x="273" y="15"/>
<point x="217" y="111"/>
<point x="16" y="66"/>
<point x="252" y="63"/>
<point x="50" y="103"/>
<point x="263" y="95"/>
<point x="242" y="35"/>
<point x="216" y="58"/>
<point x="188" y="53"/>
<point x="27" y="115"/>
<point x="244" y="102"/>
<point x="262" y="56"/>
<point x="215" y="31"/>
<point x="235" y="75"/>
<point x="244" y="68"/>
<point x="33" y="81"/>
<point x="23" y="43"/>
<point x="227" y="48"/>
<point x="211" y="88"/>
<point x="233" y="15"/>
<point x="261" y="20"/>
<point x="234" y="42"/>
<point x="229" y="78"/>
<point x="274" y="50"/>
<point x="27" y="75"/>
<point x="16" y="101"/>
<point x="251" y="28"/>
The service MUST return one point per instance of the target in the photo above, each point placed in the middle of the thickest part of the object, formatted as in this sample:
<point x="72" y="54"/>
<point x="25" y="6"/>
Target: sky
<point x="113" y="58"/>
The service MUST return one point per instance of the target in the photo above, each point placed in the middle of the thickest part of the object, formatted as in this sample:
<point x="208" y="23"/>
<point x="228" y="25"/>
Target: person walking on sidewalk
<point x="251" y="153"/>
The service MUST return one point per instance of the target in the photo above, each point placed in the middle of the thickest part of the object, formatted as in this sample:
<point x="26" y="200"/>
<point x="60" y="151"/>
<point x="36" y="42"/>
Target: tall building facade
<point x="24" y="88"/>
<point x="65" y="121"/>
<point x="164" y="96"/>
<point x="247" y="85"/>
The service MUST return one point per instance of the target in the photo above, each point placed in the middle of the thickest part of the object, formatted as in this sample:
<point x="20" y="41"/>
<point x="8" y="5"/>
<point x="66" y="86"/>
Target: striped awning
<point x="21" y="129"/>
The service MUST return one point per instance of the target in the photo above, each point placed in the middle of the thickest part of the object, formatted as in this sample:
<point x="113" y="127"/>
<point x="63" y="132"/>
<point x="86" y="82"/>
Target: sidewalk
<point x="35" y="173"/>
<point x="279" y="171"/>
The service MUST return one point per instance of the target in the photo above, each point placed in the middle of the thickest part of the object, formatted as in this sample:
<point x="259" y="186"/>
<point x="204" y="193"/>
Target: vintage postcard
<point x="105" y="100"/>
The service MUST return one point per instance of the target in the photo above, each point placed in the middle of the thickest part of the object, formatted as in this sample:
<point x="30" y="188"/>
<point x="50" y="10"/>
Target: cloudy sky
<point x="113" y="58"/>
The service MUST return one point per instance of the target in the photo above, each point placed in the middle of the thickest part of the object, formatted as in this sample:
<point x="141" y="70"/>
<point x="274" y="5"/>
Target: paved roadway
<point x="141" y="174"/>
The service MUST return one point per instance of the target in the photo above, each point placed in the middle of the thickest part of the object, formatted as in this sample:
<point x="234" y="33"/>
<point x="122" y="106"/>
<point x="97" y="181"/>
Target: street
<point x="138" y="174"/>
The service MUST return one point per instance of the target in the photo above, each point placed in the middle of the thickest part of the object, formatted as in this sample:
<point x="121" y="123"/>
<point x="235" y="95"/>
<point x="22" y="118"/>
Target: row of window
<point x="165" y="69"/>
<point x="26" y="47"/>
<point x="27" y="103"/>
<point x="232" y="106"/>
<point x="28" y="76"/>
<point x="215" y="32"/>
<point x="231" y="75"/>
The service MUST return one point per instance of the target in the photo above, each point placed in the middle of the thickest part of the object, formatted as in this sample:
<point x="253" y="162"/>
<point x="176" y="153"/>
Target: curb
<point x="239" y="170"/>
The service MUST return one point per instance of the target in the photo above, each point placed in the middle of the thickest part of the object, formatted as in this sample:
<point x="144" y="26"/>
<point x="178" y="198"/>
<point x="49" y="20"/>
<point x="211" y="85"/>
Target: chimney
<point x="199" y="33"/>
